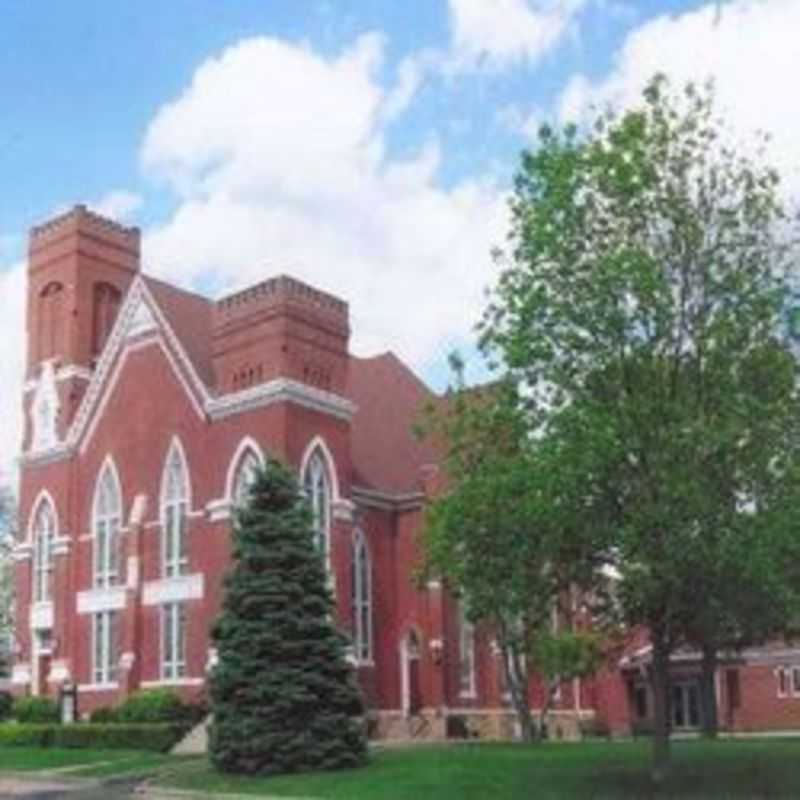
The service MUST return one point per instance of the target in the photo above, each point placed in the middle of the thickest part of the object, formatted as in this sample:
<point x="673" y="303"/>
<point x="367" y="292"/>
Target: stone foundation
<point x="484" y="724"/>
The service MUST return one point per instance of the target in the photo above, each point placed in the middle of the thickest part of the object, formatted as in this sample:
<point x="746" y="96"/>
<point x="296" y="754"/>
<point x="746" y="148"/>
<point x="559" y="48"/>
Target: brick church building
<point x="146" y="409"/>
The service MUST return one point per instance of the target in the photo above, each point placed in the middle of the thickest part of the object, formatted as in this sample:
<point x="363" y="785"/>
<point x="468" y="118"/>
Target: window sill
<point x="473" y="695"/>
<point x="173" y="682"/>
<point x="98" y="687"/>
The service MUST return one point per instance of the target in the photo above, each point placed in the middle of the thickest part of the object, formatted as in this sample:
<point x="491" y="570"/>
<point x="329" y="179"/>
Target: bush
<point x="104" y="715"/>
<point x="6" y="705"/>
<point x="158" y="705"/>
<point x="159" y="737"/>
<point x="36" y="710"/>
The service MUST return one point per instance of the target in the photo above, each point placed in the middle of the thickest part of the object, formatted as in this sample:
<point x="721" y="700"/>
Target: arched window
<point x="362" y="599"/>
<point x="106" y="522"/>
<point x="44" y="532"/>
<point x="174" y="510"/>
<point x="106" y="303"/>
<point x="51" y="312"/>
<point x="246" y="468"/>
<point x="317" y="486"/>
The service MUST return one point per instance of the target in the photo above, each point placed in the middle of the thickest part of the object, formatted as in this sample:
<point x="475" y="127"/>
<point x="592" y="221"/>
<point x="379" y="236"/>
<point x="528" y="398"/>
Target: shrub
<point x="36" y="710"/>
<point x="6" y="705"/>
<point x="159" y="737"/>
<point x="104" y="715"/>
<point x="156" y="705"/>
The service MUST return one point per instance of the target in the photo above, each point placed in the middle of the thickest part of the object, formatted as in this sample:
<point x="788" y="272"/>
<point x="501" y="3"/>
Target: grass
<point x="87" y="762"/>
<point x="731" y="769"/>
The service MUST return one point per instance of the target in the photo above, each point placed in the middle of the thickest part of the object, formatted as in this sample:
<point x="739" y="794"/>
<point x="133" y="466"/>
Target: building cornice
<point x="280" y="390"/>
<point x="371" y="498"/>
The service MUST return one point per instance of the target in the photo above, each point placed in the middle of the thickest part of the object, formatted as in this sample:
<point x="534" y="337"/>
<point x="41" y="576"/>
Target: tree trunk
<point x="661" y="727"/>
<point x="708" y="694"/>
<point x="517" y="683"/>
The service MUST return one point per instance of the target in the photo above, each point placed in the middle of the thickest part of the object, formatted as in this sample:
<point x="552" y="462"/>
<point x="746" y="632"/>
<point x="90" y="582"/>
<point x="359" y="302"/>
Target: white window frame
<point x="43" y="534"/>
<point x="318" y="490"/>
<point x="783" y="674"/>
<point x="362" y="599"/>
<point x="106" y="524"/>
<point x="466" y="655"/>
<point x="104" y="647"/>
<point x="173" y="641"/>
<point x="175" y="504"/>
<point x="794" y="680"/>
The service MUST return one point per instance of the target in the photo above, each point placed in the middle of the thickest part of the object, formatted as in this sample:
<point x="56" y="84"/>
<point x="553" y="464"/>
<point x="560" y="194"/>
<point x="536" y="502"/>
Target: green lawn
<point x="92" y="762"/>
<point x="596" y="771"/>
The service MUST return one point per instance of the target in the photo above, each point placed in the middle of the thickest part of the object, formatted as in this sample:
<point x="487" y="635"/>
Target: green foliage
<point x="640" y="314"/>
<point x="6" y="705"/>
<point x="157" y="705"/>
<point x="35" y="709"/>
<point x="104" y="715"/>
<point x="159" y="737"/>
<point x="567" y="654"/>
<point x="283" y="696"/>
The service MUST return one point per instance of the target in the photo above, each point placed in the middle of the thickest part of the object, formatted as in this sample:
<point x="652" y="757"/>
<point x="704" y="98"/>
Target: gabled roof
<point x="389" y="398"/>
<point x="189" y="316"/>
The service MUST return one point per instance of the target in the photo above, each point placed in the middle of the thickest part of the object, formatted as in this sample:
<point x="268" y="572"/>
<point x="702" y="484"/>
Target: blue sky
<point x="366" y="146"/>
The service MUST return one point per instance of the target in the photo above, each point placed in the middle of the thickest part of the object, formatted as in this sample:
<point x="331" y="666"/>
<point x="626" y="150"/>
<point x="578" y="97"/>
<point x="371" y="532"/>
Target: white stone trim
<point x="280" y="390"/>
<point x="370" y="498"/>
<point x="172" y="682"/>
<point x="22" y="551"/>
<point x="59" y="672"/>
<point x="219" y="509"/>
<point x="173" y="590"/>
<point x="42" y="616"/>
<point x="21" y="674"/>
<point x="247" y="443"/>
<point x="61" y="545"/>
<point x="64" y="373"/>
<point x="142" y="321"/>
<point x="343" y="510"/>
<point x="43" y="497"/>
<point x="318" y="443"/>
<point x="98" y="687"/>
<point x="92" y="601"/>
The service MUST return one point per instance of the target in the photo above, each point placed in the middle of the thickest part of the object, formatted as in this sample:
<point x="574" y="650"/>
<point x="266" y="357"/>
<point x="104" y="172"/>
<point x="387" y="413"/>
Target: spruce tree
<point x="283" y="696"/>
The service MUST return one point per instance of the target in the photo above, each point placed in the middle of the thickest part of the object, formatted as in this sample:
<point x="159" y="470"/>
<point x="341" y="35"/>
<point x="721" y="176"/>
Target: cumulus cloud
<point x="506" y="32"/>
<point x="749" y="49"/>
<point x="278" y="158"/>
<point x="119" y="204"/>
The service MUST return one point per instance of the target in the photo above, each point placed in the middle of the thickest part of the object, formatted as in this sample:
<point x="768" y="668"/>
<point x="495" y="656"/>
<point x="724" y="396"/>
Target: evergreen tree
<point x="283" y="696"/>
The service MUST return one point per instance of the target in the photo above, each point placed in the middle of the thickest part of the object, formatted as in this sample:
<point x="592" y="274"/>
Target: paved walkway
<point x="38" y="788"/>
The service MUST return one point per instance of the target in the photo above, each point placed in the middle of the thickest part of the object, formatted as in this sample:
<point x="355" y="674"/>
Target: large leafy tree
<point x="283" y="695"/>
<point x="639" y="311"/>
<point x="509" y="537"/>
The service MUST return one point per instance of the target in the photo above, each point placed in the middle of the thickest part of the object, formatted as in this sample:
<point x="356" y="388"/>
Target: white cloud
<point x="120" y="204"/>
<point x="278" y="157"/>
<point x="12" y="365"/>
<point x="501" y="33"/>
<point x="749" y="48"/>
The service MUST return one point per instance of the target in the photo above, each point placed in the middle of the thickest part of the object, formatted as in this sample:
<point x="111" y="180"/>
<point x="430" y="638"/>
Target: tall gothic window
<point x="246" y="469"/>
<point x="106" y="522"/>
<point x="174" y="510"/>
<point x="51" y="313"/>
<point x="317" y="486"/>
<point x="106" y="303"/>
<point x="104" y="647"/>
<point x="362" y="599"/>
<point x="44" y="532"/>
<point x="466" y="653"/>
<point x="173" y="641"/>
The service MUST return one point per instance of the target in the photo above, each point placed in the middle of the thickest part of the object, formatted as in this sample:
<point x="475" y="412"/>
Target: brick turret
<point x="281" y="328"/>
